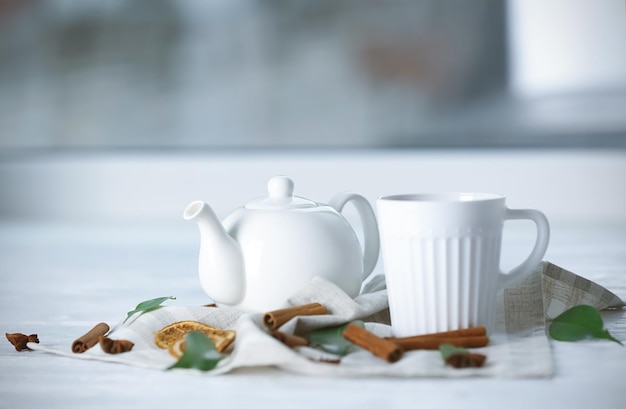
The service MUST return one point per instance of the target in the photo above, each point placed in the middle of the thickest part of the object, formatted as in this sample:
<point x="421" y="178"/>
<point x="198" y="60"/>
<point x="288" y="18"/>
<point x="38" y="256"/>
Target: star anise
<point x="19" y="340"/>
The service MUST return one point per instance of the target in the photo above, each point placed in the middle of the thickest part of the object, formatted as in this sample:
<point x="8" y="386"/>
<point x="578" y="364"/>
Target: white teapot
<point x="267" y="250"/>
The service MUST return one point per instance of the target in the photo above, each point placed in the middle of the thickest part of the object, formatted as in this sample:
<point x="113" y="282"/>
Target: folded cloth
<point x="518" y="346"/>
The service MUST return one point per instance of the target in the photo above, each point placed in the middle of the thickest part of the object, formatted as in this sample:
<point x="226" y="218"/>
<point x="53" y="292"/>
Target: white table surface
<point x="58" y="280"/>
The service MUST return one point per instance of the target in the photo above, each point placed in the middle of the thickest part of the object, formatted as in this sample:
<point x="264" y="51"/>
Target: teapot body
<point x="266" y="251"/>
<point x="284" y="250"/>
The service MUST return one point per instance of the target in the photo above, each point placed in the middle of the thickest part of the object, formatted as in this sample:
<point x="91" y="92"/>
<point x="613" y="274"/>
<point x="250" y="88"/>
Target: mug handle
<point x="541" y="244"/>
<point x="371" y="238"/>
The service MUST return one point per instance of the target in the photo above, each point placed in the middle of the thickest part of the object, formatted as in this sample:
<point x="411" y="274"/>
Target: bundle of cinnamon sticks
<point x="390" y="349"/>
<point x="474" y="337"/>
<point x="97" y="335"/>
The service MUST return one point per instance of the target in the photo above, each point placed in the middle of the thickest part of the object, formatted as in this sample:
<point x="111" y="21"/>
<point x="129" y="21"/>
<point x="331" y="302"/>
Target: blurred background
<point x="204" y="74"/>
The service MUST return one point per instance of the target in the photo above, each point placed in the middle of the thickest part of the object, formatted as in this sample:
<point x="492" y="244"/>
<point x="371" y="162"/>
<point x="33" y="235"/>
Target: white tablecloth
<point x="60" y="280"/>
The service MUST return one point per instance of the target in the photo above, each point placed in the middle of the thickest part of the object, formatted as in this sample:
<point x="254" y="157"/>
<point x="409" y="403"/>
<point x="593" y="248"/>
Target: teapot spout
<point x="221" y="264"/>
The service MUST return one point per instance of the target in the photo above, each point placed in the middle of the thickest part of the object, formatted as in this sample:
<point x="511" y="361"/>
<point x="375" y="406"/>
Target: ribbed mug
<point x="441" y="255"/>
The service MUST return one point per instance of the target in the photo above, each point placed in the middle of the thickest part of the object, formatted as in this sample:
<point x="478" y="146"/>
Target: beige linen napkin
<point x="518" y="347"/>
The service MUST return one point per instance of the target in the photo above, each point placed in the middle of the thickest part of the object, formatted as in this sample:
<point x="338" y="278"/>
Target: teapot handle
<point x="371" y="239"/>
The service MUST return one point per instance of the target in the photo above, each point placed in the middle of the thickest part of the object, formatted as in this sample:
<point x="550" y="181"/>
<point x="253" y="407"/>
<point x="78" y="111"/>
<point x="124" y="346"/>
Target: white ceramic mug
<point x="441" y="254"/>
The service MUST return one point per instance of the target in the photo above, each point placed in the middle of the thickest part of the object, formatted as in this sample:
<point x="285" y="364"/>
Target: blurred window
<point x="193" y="74"/>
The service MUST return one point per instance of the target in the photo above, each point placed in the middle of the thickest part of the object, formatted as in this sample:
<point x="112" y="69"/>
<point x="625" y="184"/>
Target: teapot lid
<point x="280" y="196"/>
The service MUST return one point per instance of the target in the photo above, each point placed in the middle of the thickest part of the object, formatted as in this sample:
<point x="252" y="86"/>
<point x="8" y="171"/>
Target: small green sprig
<point x="331" y="339"/>
<point x="148" y="305"/>
<point x="579" y="323"/>
<point x="200" y="353"/>
<point x="448" y="350"/>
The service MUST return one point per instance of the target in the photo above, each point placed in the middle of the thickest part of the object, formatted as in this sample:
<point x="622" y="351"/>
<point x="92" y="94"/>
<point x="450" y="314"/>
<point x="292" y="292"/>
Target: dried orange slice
<point x="169" y="336"/>
<point x="177" y="349"/>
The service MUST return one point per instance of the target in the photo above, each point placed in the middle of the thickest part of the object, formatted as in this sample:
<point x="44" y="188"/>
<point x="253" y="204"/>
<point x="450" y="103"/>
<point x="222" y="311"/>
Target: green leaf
<point x="200" y="353"/>
<point x="447" y="350"/>
<point x="148" y="305"/>
<point x="331" y="339"/>
<point x="578" y="323"/>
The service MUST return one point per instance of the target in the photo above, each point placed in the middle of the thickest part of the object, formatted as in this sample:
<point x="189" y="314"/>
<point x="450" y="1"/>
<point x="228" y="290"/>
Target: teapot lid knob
<point x="280" y="197"/>
<point x="280" y="187"/>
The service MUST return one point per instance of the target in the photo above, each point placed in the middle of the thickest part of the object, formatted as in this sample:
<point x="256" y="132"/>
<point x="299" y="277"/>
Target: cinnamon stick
<point x="290" y="340"/>
<point x="114" y="346"/>
<point x="465" y="338"/>
<point x="463" y="332"/>
<point x="90" y="338"/>
<point x="275" y="319"/>
<point x="378" y="346"/>
<point x="410" y="344"/>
